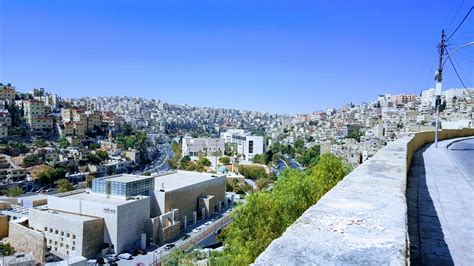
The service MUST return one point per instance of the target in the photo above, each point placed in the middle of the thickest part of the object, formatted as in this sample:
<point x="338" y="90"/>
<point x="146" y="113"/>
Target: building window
<point x="73" y="248"/>
<point x="46" y="229"/>
<point x="68" y="235"/>
<point x="56" y="232"/>
<point x="251" y="146"/>
<point x="73" y="236"/>
<point x="62" y="233"/>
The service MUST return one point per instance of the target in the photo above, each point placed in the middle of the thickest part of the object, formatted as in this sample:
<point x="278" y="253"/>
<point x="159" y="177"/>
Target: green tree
<point x="94" y="158"/>
<point x="310" y="156"/>
<point x="41" y="143"/>
<point x="14" y="191"/>
<point x="224" y="160"/>
<point x="64" y="185"/>
<point x="355" y="134"/>
<point x="253" y="172"/>
<point x="50" y="176"/>
<point x="260" y="158"/>
<point x="63" y="143"/>
<point x="32" y="159"/>
<point x="203" y="161"/>
<point x="104" y="155"/>
<point x="6" y="249"/>
<point x="263" y="183"/>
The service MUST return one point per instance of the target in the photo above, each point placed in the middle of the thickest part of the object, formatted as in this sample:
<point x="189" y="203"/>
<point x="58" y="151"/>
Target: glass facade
<point x="109" y="186"/>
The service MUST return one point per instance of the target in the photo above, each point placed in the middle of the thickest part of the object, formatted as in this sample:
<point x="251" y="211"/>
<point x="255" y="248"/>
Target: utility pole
<point x="439" y="79"/>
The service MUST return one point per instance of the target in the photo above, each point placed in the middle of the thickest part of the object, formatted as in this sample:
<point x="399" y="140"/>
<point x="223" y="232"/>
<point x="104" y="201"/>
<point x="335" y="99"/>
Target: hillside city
<point x="115" y="179"/>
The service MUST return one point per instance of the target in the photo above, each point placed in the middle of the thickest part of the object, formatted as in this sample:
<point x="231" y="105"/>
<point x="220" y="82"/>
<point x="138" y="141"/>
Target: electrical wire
<point x="457" y="74"/>
<point x="462" y="21"/>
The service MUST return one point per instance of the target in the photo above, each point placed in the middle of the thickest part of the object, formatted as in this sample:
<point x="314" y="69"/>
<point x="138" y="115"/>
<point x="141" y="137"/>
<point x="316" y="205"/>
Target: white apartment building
<point x="206" y="146"/>
<point x="244" y="144"/>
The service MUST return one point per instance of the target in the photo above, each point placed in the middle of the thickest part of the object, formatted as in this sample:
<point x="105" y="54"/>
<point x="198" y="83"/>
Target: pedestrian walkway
<point x="440" y="200"/>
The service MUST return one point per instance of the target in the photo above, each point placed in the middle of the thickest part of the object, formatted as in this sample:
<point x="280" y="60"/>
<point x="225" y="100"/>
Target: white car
<point x="125" y="256"/>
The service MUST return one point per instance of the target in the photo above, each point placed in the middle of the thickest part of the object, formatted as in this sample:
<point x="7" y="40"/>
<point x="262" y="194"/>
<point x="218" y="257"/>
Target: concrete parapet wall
<point x="363" y="219"/>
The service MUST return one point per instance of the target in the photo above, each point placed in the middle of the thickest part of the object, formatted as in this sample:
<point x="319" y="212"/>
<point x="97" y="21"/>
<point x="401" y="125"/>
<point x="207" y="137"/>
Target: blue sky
<point x="278" y="56"/>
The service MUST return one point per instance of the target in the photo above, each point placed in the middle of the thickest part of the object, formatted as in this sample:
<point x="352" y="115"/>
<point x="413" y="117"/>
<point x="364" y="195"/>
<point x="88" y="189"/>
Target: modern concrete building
<point x="188" y="192"/>
<point x="205" y="146"/>
<point x="244" y="144"/>
<point x="124" y="211"/>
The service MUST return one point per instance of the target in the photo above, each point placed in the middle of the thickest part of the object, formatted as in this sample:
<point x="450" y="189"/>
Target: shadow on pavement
<point x="427" y="244"/>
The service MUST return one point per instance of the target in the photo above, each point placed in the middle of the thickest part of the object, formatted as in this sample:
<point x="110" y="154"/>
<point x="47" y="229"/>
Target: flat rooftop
<point x="99" y="198"/>
<point x="125" y="178"/>
<point x="73" y="216"/>
<point x="33" y="197"/>
<point x="180" y="179"/>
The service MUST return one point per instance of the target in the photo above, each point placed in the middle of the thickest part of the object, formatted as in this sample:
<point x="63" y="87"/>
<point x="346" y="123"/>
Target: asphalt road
<point x="463" y="154"/>
<point x="440" y="210"/>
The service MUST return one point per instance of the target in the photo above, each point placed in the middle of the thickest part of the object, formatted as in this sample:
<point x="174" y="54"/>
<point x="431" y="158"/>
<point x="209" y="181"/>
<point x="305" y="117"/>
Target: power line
<point x="455" y="14"/>
<point x="457" y="74"/>
<point x="462" y="21"/>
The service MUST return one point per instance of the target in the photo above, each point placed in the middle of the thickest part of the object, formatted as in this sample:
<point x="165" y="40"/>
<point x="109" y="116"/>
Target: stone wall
<point x="3" y="226"/>
<point x="363" y="219"/>
<point x="26" y="240"/>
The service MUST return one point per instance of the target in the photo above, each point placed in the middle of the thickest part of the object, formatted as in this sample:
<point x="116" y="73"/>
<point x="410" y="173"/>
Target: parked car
<point x="111" y="258"/>
<point x="186" y="236"/>
<point x="169" y="246"/>
<point x="125" y="256"/>
<point x="133" y="252"/>
<point x="218" y="232"/>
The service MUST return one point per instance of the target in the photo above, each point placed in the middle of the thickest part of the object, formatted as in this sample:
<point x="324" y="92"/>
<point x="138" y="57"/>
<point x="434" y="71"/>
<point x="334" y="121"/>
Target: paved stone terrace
<point x="440" y="200"/>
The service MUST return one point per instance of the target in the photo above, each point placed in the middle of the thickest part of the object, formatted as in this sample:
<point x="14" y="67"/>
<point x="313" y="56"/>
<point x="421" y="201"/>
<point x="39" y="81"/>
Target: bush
<point x="64" y="185"/>
<point x="6" y="249"/>
<point x="253" y="172"/>
<point x="103" y="155"/>
<point x="32" y="159"/>
<point x="261" y="158"/>
<point x="13" y="192"/>
<point x="203" y="161"/>
<point x="50" y="176"/>
<point x="224" y="160"/>
<point x="94" y="158"/>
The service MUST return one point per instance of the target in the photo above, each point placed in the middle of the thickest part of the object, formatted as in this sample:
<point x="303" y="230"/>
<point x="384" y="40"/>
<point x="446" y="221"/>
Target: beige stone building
<point x="7" y="92"/>
<point x="35" y="114"/>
